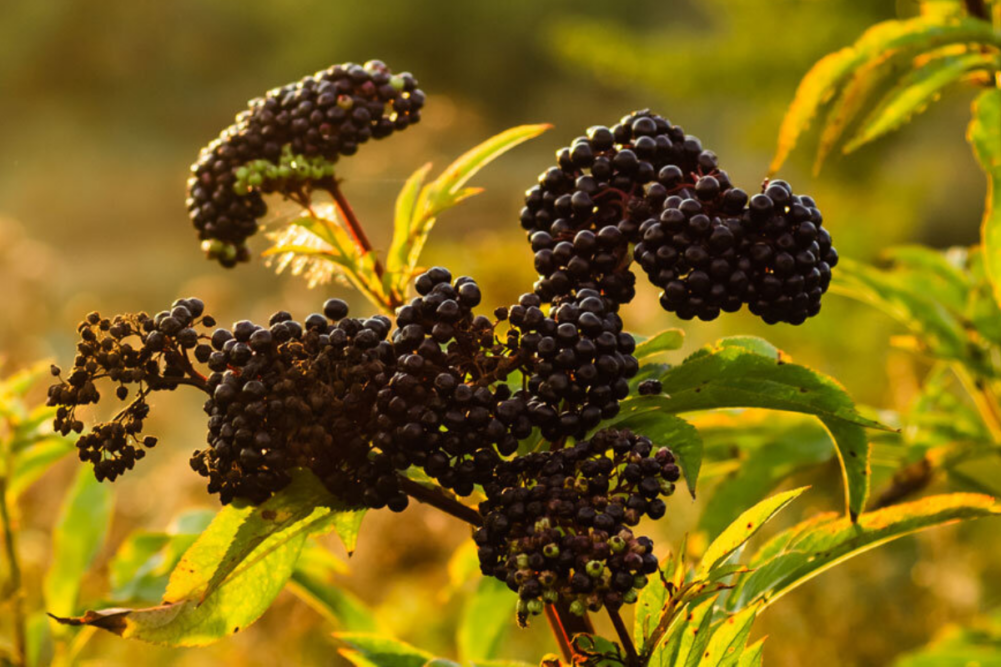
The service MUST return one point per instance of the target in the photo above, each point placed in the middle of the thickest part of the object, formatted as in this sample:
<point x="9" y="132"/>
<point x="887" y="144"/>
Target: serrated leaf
<point x="667" y="430"/>
<point x="485" y="619"/>
<point x="984" y="135"/>
<point x="403" y="219"/>
<point x="743" y="529"/>
<point x="729" y="639"/>
<point x="443" y="193"/>
<point x="232" y="572"/>
<point x="753" y="655"/>
<point x="77" y="539"/>
<point x="665" y="341"/>
<point x="825" y="78"/>
<point x="649" y="605"/>
<point x="915" y="92"/>
<point x="382" y="651"/>
<point x="734" y="374"/>
<point x="795" y="556"/>
<point x="692" y="636"/>
<point x="240" y="534"/>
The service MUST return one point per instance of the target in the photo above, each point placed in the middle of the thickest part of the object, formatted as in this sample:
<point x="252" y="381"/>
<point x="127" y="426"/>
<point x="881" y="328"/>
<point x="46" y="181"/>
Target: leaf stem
<point x="14" y="567"/>
<point x="984" y="398"/>
<point x="633" y="659"/>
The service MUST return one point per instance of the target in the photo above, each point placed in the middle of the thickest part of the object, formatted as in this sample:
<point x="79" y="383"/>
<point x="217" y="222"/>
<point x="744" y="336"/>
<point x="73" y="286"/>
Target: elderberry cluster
<point x="578" y="359"/>
<point x="558" y="524"/>
<point x="149" y="353"/>
<point x="709" y="246"/>
<point x="298" y="395"/>
<point x="288" y="142"/>
<point x="446" y="409"/>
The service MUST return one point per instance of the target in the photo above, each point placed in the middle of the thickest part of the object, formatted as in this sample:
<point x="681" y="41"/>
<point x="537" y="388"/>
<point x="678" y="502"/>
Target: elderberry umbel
<point x="586" y="210"/>
<point x="287" y="142"/>
<point x="137" y="355"/>
<point x="558" y="524"/>
<point x="709" y="246"/>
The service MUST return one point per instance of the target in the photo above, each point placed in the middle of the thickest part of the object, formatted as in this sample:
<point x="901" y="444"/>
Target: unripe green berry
<point x="630" y="596"/>
<point x="551" y="551"/>
<point x="639" y="581"/>
<point x="535" y="607"/>
<point x="577" y="608"/>
<point x="594" y="568"/>
<point x="617" y="544"/>
<point x="522" y="561"/>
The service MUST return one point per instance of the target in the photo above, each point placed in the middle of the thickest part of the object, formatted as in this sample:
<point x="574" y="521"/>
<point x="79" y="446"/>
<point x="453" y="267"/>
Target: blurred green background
<point x="105" y="105"/>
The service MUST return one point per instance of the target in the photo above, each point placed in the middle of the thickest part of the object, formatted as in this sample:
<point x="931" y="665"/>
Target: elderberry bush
<point x="435" y="389"/>
<point x="287" y="142"/>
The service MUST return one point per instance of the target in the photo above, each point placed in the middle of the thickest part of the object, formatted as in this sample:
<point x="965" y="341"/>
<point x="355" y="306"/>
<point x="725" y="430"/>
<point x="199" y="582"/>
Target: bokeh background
<point x="105" y="105"/>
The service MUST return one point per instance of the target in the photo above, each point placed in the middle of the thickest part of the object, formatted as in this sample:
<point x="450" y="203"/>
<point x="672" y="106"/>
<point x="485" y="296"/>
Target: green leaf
<point x="142" y="565"/>
<point x="232" y="572"/>
<point x="666" y="341"/>
<point x="314" y="581"/>
<point x="729" y="639"/>
<point x="826" y="77"/>
<point x="984" y="134"/>
<point x="733" y="373"/>
<point x="486" y="617"/>
<point x="652" y="599"/>
<point x="795" y="556"/>
<point x="753" y="655"/>
<point x="79" y="534"/>
<point x="685" y="644"/>
<point x="666" y="429"/>
<point x="403" y="219"/>
<point x="741" y="530"/>
<point x="441" y="194"/>
<point x="237" y="533"/>
<point x="915" y="92"/>
<point x="34" y="461"/>
<point x="772" y="451"/>
<point x="896" y="294"/>
<point x="381" y="651"/>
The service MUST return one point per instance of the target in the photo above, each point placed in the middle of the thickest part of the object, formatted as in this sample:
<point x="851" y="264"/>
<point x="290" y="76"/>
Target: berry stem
<point x="14" y="569"/>
<point x="632" y="658"/>
<point x="438" y="500"/>
<point x="559" y="632"/>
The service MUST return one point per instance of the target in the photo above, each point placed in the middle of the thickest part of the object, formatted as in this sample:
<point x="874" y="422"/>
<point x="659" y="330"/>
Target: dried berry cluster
<point x="558" y="524"/>
<point x="149" y="353"/>
<point x="287" y="142"/>
<point x="699" y="238"/>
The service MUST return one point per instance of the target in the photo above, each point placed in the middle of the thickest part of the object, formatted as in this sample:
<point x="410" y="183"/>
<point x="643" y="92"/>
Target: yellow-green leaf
<point x="984" y="135"/>
<point x="729" y="639"/>
<point x="79" y="534"/>
<point x="743" y="529"/>
<point x="795" y="556"/>
<point x="824" y="79"/>
<point x="665" y="341"/>
<point x="916" y="91"/>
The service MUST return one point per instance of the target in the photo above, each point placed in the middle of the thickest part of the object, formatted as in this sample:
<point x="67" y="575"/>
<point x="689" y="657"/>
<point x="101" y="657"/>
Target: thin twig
<point x="440" y="501"/>
<point x="354" y="226"/>
<point x="633" y="659"/>
<point x="14" y="568"/>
